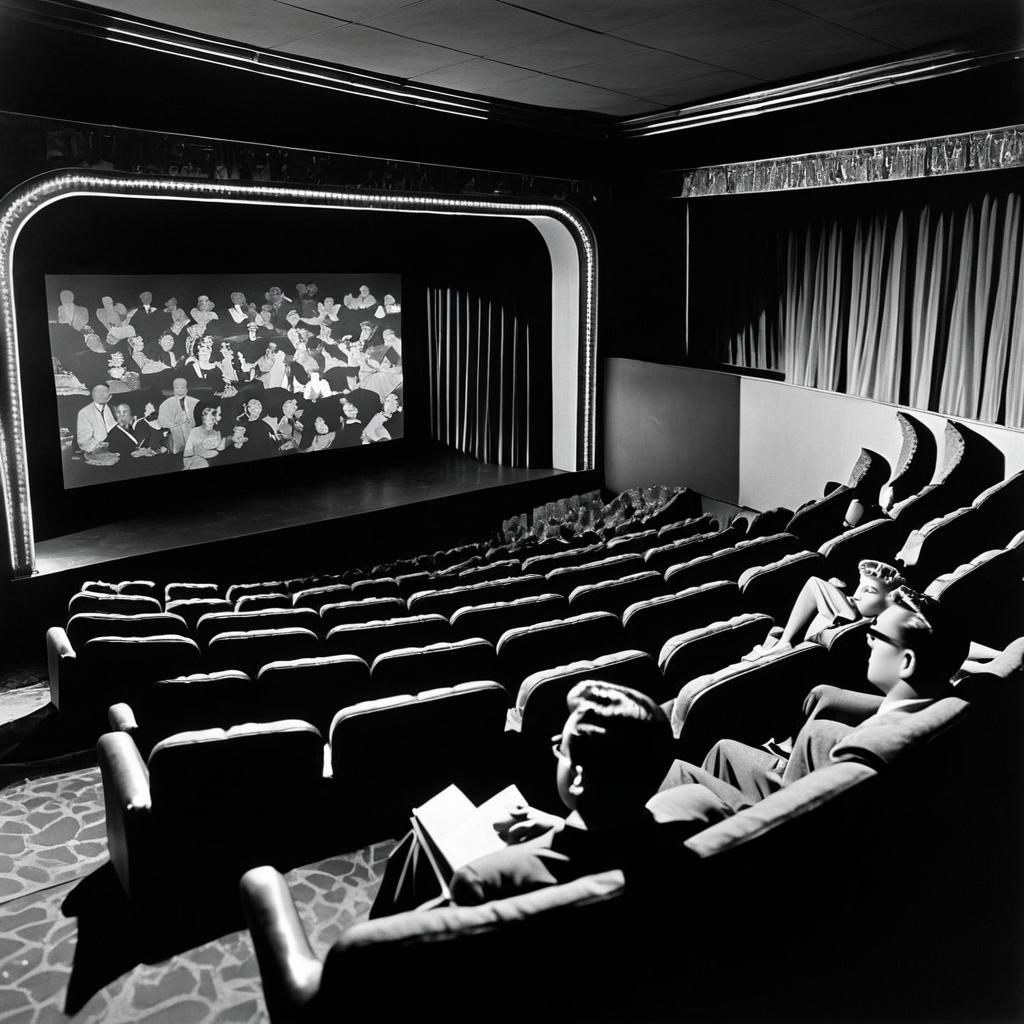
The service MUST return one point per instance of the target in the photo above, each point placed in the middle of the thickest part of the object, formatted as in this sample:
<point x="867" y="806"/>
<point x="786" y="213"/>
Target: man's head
<point x="167" y="342"/>
<point x="614" y="750"/>
<point x="67" y="296"/>
<point x="146" y="298"/>
<point x="123" y="413"/>
<point x="254" y="408"/>
<point x="101" y="394"/>
<point x="292" y="316"/>
<point x="237" y="298"/>
<point x="914" y="647"/>
<point x="180" y="386"/>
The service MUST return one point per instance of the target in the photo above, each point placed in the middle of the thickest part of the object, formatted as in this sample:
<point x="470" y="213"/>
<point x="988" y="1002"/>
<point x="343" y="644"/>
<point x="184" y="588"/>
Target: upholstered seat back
<point x="820" y="520"/>
<point x="317" y="597"/>
<point x="729" y="563"/>
<point x="312" y="689"/>
<point x="110" y="667"/>
<point x="497" y="570"/>
<point x="772" y="588"/>
<point x="213" y="623"/>
<point x="616" y="596"/>
<point x="848" y="652"/>
<point x="749" y="701"/>
<point x="411" y="669"/>
<point x="447" y="600"/>
<point x="409" y="583"/>
<point x="127" y="588"/>
<point x="86" y="625"/>
<point x="527" y="649"/>
<point x="262" y="602"/>
<point x="368" y="639"/>
<point x="491" y="620"/>
<point x="368" y="609"/>
<point x="1001" y="509"/>
<point x="635" y="544"/>
<point x="709" y="648"/>
<point x="237" y="590"/>
<point x="684" y="504"/>
<point x="113" y="604"/>
<point x="686" y="528"/>
<point x="192" y="609"/>
<point x="941" y="545"/>
<point x="877" y="539"/>
<point x="686" y="548"/>
<point x="772" y="520"/>
<point x="543" y="564"/>
<point x="567" y="579"/>
<point x="650" y="623"/>
<point x="382" y="586"/>
<point x="412" y="747"/>
<point x="249" y="650"/>
<point x="180" y="591"/>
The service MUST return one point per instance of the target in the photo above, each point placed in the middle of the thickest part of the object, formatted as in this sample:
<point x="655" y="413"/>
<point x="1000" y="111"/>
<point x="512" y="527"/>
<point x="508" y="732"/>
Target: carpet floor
<point x="69" y="949"/>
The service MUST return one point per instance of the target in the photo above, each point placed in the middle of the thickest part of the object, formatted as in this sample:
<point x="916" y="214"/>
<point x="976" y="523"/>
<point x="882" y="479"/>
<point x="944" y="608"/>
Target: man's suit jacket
<point x="93" y="426"/>
<point x="125" y="440"/>
<point x="151" y="325"/>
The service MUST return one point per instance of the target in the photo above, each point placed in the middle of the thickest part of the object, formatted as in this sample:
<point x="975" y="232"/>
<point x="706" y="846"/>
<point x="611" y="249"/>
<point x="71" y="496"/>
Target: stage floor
<point x="424" y="477"/>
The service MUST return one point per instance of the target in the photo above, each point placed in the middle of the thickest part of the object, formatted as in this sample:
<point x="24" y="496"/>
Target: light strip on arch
<point x="28" y="199"/>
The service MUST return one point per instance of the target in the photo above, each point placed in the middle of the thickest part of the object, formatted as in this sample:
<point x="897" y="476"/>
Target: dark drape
<point x="906" y="295"/>
<point x="490" y="375"/>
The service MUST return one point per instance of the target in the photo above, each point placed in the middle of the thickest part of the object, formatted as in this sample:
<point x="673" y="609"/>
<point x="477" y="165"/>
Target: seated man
<point x="914" y="652"/>
<point x="613" y="749"/>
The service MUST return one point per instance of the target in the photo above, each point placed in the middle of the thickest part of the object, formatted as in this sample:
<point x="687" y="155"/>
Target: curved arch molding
<point x="569" y="238"/>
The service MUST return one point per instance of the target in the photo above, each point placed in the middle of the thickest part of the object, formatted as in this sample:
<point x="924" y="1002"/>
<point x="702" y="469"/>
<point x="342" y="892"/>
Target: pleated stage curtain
<point x="919" y="302"/>
<point x="489" y="364"/>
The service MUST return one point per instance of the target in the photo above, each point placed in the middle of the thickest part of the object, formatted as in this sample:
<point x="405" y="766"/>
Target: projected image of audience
<point x="179" y="373"/>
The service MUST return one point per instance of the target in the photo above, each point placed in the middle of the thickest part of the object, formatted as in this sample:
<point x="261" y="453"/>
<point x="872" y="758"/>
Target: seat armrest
<point x="126" y="797"/>
<point x="513" y="720"/>
<point x="60" y="656"/>
<point x="289" y="968"/>
<point x="122" y="719"/>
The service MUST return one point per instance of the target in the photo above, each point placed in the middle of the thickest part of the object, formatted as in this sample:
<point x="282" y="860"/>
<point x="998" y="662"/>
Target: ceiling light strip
<point x="31" y="197"/>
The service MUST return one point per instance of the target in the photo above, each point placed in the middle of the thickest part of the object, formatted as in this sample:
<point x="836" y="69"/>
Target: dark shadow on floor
<point x="40" y="744"/>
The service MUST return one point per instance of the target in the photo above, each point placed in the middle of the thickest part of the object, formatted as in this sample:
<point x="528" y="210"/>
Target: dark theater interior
<point x="657" y="654"/>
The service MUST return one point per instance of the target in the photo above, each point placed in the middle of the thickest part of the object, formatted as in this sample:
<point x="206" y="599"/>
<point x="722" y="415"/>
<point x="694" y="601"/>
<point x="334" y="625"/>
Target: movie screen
<point x="175" y="373"/>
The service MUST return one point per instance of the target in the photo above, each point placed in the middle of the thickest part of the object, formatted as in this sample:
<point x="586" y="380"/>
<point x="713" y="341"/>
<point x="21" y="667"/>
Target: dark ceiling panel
<point x="570" y="48"/>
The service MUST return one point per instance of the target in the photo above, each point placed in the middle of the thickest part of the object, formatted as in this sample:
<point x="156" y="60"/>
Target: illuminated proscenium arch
<point x="568" y="237"/>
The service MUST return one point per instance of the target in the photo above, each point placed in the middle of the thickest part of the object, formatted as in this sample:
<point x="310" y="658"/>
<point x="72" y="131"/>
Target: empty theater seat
<point x="249" y="650"/>
<point x="312" y="689"/>
<point x="648" y="624"/>
<point x="772" y="588"/>
<point x="180" y="591"/>
<point x="497" y="570"/>
<point x="412" y="746"/>
<point x="317" y="597"/>
<point x="684" y="549"/>
<point x="772" y="520"/>
<point x="447" y="600"/>
<point x="616" y="595"/>
<point x="634" y="544"/>
<point x="366" y="610"/>
<point x="212" y="623"/>
<point x="113" y="604"/>
<point x="410" y="582"/>
<point x="203" y="700"/>
<point x="684" y="504"/>
<point x="543" y="564"/>
<point x="567" y="579"/>
<point x="878" y="539"/>
<point x="86" y="625"/>
<point x="940" y="545"/>
<point x="383" y="586"/>
<point x="206" y="804"/>
<point x="237" y="590"/>
<point x="491" y="620"/>
<point x="261" y="602"/>
<point x="129" y="588"/>
<point x="409" y="669"/>
<point x="1001" y="510"/>
<point x="750" y="702"/>
<point x="710" y="648"/>
<point x="192" y="609"/>
<point x="729" y="563"/>
<point x="687" y="528"/>
<point x="527" y="649"/>
<point x="368" y="639"/>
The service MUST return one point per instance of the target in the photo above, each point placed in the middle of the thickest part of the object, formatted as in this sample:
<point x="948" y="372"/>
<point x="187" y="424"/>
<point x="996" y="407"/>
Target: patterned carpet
<point x="68" y="947"/>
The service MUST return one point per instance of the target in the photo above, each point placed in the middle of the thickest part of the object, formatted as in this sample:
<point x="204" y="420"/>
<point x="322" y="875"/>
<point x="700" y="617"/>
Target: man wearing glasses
<point x="914" y="650"/>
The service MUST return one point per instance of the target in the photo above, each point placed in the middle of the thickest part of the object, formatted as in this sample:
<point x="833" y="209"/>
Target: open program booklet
<point x="454" y="832"/>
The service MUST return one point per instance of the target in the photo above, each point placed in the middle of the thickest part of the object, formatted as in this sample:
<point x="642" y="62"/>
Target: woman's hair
<point x="888" y="575"/>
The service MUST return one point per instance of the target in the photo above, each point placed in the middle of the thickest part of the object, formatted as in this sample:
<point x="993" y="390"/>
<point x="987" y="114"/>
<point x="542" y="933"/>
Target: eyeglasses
<point x="874" y="634"/>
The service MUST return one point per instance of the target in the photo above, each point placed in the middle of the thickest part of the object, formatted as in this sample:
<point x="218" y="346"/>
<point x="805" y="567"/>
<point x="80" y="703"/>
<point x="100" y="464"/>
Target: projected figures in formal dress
<point x="168" y="374"/>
